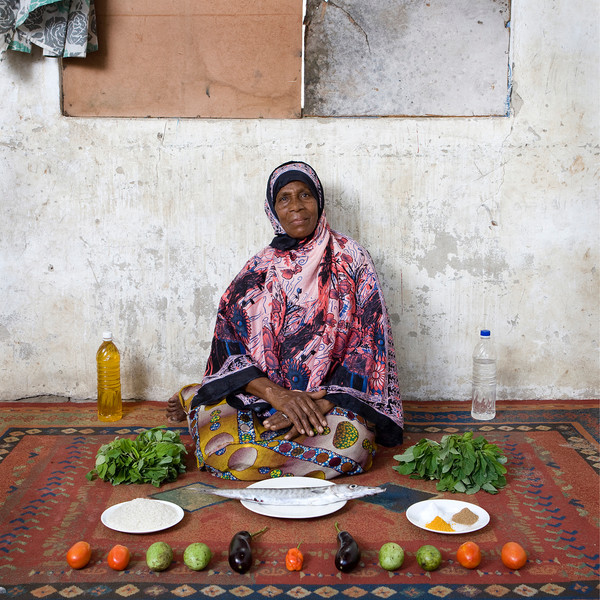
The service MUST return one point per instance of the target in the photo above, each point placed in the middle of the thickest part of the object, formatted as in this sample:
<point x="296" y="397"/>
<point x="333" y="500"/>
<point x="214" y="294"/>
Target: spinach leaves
<point x="462" y="463"/>
<point x="154" y="456"/>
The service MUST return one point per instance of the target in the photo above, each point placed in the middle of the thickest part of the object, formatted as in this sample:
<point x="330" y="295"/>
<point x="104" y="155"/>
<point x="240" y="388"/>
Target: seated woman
<point x="301" y="377"/>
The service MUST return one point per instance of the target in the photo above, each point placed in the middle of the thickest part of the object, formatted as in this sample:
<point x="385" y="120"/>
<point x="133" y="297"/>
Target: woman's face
<point x="297" y="209"/>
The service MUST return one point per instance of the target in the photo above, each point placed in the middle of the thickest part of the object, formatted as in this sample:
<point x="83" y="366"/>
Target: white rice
<point x="142" y="514"/>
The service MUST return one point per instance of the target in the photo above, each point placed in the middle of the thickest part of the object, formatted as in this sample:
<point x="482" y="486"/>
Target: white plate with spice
<point x="302" y="511"/>
<point x="447" y="516"/>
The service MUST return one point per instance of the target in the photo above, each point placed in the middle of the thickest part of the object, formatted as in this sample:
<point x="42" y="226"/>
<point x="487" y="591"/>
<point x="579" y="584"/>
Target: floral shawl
<point x="308" y="318"/>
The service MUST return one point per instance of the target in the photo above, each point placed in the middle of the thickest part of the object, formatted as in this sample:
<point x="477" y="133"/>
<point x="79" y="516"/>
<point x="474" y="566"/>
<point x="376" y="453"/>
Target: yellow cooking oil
<point x="108" y="361"/>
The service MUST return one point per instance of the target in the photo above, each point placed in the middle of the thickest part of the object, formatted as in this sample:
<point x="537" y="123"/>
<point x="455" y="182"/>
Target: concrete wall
<point x="138" y="226"/>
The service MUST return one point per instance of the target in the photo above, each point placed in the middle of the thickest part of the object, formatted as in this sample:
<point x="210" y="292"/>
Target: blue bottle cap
<point x="485" y="333"/>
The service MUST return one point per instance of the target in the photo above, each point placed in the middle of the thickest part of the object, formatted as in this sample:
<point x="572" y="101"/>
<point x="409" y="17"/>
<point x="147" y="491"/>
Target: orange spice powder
<point x="438" y="524"/>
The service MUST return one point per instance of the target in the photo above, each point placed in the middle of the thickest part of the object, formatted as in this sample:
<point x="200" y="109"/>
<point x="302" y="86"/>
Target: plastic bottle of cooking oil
<point x="108" y="360"/>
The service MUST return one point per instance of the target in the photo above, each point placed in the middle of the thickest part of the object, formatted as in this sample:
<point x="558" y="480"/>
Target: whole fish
<point x="317" y="495"/>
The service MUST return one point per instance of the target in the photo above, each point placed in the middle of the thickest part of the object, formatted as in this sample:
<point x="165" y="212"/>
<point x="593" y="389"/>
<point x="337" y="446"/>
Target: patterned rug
<point x="550" y="506"/>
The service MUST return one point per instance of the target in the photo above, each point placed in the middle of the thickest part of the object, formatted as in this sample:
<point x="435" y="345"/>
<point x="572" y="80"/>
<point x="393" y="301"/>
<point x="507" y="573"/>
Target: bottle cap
<point x="485" y="333"/>
<point x="107" y="336"/>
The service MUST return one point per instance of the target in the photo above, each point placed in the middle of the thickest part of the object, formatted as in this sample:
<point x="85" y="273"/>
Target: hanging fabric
<point x="64" y="28"/>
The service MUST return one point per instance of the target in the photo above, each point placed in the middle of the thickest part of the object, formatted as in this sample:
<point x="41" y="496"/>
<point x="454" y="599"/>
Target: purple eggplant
<point x="348" y="554"/>
<point x="240" y="550"/>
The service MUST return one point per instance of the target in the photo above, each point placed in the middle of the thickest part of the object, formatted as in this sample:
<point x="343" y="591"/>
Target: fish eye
<point x="352" y="486"/>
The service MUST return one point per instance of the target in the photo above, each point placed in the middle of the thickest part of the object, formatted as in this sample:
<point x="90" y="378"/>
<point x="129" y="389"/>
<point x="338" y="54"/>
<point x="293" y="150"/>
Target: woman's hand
<point x="301" y="408"/>
<point x="279" y="420"/>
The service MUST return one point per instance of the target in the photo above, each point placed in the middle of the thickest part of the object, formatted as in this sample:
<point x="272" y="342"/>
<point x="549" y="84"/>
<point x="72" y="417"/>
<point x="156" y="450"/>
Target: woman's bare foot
<point x="175" y="412"/>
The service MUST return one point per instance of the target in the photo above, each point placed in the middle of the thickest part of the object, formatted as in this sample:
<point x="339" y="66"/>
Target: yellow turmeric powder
<point x="438" y="524"/>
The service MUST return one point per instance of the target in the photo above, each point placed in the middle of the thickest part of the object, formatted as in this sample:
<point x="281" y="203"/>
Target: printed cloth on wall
<point x="64" y="28"/>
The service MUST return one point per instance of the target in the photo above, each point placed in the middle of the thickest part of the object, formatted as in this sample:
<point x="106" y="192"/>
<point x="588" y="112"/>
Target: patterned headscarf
<point x="279" y="178"/>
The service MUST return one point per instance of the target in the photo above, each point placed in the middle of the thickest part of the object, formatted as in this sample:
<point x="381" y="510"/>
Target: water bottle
<point x="483" y="397"/>
<point x="108" y="361"/>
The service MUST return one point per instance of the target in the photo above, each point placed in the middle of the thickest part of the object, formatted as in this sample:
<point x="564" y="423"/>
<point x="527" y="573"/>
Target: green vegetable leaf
<point x="462" y="463"/>
<point x="459" y="486"/>
<point x="154" y="456"/>
<point x="405" y="469"/>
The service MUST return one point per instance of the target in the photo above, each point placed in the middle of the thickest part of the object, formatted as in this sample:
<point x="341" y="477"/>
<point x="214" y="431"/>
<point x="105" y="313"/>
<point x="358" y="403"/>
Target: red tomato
<point x="118" y="557"/>
<point x="513" y="556"/>
<point x="469" y="555"/>
<point x="79" y="555"/>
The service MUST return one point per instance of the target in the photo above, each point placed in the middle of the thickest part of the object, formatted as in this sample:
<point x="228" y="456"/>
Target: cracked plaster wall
<point x="407" y="57"/>
<point x="138" y="225"/>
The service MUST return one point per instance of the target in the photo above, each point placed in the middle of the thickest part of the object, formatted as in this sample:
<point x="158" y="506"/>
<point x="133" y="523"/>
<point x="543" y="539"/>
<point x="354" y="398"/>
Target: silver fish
<point x="317" y="495"/>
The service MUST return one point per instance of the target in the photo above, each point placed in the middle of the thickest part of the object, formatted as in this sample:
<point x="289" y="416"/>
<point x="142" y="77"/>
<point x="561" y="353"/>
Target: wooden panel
<point x="190" y="58"/>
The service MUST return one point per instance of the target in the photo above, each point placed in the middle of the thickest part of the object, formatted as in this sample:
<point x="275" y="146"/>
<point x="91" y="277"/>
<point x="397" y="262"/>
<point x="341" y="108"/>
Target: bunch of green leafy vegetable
<point x="154" y="456"/>
<point x="462" y="463"/>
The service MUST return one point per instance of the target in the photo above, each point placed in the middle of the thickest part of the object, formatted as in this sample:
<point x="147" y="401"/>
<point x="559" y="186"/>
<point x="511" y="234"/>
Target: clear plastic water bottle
<point x="108" y="361"/>
<point x="483" y="397"/>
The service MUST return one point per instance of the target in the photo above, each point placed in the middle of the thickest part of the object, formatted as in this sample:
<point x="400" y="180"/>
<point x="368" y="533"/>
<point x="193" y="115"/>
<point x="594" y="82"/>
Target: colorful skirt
<point x="233" y="444"/>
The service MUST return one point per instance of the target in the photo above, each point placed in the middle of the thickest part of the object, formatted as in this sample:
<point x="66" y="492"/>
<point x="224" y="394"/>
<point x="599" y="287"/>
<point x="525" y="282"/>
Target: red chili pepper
<point x="294" y="559"/>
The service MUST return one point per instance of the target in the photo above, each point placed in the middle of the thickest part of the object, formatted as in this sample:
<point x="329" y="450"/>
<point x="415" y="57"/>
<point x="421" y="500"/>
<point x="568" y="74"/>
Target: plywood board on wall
<point x="190" y="58"/>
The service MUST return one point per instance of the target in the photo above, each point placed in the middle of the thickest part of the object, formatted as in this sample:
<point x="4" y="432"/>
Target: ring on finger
<point x="285" y="416"/>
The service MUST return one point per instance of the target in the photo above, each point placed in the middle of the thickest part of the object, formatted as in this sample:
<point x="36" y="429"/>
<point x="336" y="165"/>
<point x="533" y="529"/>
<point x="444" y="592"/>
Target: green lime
<point x="159" y="556"/>
<point x="391" y="556"/>
<point x="429" y="557"/>
<point x="196" y="556"/>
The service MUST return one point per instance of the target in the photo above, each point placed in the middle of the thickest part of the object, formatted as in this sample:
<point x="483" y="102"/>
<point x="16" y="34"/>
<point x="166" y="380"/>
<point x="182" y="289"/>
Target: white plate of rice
<point x="142" y="515"/>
